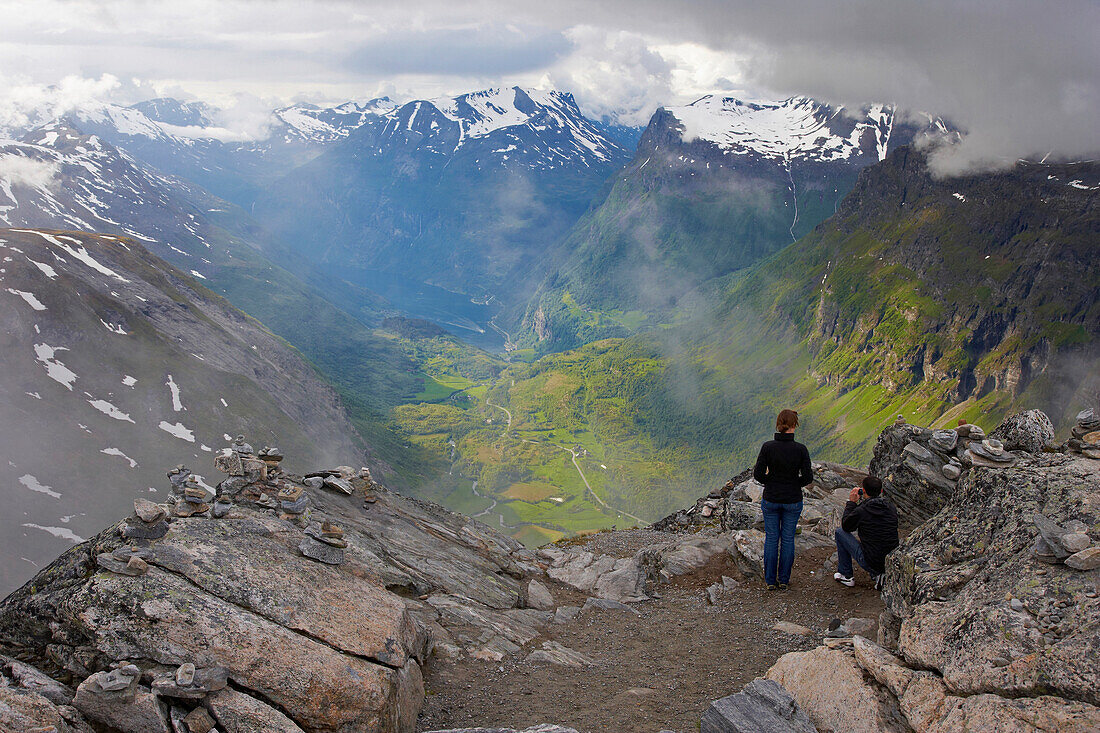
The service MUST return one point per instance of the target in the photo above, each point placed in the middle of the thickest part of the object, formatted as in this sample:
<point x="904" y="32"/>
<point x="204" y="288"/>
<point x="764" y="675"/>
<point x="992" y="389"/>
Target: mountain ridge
<point x="115" y="361"/>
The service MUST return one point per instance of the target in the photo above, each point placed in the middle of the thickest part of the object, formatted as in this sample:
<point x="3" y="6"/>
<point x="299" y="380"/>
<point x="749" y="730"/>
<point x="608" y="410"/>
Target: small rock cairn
<point x="256" y="480"/>
<point x="1086" y="435"/>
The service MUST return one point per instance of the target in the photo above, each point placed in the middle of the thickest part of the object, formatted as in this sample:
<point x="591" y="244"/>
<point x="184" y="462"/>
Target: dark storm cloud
<point x="477" y="51"/>
<point x="1022" y="77"/>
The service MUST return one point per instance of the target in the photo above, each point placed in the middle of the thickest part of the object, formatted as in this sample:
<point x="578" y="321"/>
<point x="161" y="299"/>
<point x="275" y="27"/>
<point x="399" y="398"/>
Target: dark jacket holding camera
<point x="876" y="520"/>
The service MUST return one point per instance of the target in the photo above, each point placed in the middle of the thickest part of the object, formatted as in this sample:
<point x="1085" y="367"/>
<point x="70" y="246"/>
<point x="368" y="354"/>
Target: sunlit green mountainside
<point x="714" y="186"/>
<point x="934" y="299"/>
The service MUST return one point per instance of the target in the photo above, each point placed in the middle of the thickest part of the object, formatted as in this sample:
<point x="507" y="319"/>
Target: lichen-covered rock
<point x="911" y="469"/>
<point x="953" y="580"/>
<point x="986" y="629"/>
<point x="332" y="649"/>
<point x="828" y="685"/>
<point x="23" y="710"/>
<point x="536" y="729"/>
<point x="236" y="712"/>
<point x="862" y="686"/>
<point x="1025" y="431"/>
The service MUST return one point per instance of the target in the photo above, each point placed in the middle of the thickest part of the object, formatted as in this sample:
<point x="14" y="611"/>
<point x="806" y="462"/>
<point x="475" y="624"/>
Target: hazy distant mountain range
<point x="658" y="291"/>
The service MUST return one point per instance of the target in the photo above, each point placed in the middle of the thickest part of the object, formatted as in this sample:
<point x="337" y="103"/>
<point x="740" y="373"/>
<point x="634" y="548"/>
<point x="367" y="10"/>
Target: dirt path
<point x="656" y="671"/>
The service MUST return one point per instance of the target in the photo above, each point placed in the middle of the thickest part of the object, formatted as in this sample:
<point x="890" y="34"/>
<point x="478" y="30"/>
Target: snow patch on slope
<point x="178" y="430"/>
<point x="34" y="484"/>
<point x="175" y="390"/>
<point x="55" y="370"/>
<point x="798" y="127"/>
<point x="32" y="301"/>
<point x="60" y="532"/>
<point x="110" y="410"/>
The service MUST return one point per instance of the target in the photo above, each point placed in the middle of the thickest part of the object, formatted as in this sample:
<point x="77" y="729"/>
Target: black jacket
<point x="877" y="522"/>
<point x="783" y="466"/>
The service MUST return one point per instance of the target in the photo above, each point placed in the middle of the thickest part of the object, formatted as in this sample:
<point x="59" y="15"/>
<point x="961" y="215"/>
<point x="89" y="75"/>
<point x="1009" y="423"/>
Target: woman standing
<point x="783" y="467"/>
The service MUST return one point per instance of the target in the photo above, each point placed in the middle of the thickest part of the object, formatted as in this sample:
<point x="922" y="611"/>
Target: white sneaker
<point x="844" y="580"/>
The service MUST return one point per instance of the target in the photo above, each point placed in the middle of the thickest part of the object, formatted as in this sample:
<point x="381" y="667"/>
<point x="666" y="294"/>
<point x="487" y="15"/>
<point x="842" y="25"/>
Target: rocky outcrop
<point x="536" y="729"/>
<point x="988" y="626"/>
<point x="209" y="607"/>
<point x="920" y="467"/>
<point x="977" y="604"/>
<point x="736" y="505"/>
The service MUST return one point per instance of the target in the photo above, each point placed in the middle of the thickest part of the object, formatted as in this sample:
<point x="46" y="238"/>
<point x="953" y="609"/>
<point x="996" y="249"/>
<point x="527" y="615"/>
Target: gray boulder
<point x="237" y="712"/>
<point x="950" y="583"/>
<point x="762" y="706"/>
<point x="1025" y="431"/>
<point x="538" y="596"/>
<point x="129" y="710"/>
<point x="554" y="653"/>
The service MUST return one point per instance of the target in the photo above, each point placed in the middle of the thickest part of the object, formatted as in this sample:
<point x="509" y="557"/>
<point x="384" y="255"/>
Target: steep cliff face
<point x="973" y="284"/>
<point x="715" y="186"/>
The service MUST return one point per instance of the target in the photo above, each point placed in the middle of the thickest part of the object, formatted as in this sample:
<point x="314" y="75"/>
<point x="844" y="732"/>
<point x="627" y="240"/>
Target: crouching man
<point x="876" y="520"/>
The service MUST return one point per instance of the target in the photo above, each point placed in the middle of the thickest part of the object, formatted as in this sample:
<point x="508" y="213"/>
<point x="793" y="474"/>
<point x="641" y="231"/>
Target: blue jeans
<point x="780" y="520"/>
<point x="848" y="549"/>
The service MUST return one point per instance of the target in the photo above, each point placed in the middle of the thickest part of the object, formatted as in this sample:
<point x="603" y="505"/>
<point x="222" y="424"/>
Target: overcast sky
<point x="1021" y="77"/>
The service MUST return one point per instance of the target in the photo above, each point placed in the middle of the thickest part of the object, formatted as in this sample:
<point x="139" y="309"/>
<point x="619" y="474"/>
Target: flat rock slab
<point x="536" y="729"/>
<point x="538" y="596"/>
<point x="237" y="712"/>
<point x="349" y="613"/>
<point x="763" y="706"/>
<point x="309" y="680"/>
<point x="797" y="629"/>
<point x="554" y="653"/>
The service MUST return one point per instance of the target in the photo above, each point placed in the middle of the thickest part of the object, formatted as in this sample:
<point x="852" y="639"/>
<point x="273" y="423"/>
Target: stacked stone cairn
<point x="324" y="542"/>
<point x="1086" y="435"/>
<point x="118" y="698"/>
<point x="196" y="498"/>
<point x="148" y="522"/>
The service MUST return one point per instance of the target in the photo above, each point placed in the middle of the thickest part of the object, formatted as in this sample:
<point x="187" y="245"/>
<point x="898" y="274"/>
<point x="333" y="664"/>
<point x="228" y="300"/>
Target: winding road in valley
<point x="490" y="508"/>
<point x="641" y="522"/>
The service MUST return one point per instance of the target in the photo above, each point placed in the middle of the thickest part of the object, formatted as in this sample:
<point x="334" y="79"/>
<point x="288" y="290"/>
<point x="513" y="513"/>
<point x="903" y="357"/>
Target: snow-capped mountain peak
<point x="316" y="124"/>
<point x="794" y="128"/>
<point x="543" y="128"/>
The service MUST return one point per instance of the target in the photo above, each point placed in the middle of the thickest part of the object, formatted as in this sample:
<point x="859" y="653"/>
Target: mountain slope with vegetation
<point x="714" y="187"/>
<point x="936" y="299"/>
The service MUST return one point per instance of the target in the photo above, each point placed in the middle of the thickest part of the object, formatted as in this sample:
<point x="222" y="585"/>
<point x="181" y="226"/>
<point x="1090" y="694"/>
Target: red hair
<point x="787" y="420"/>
